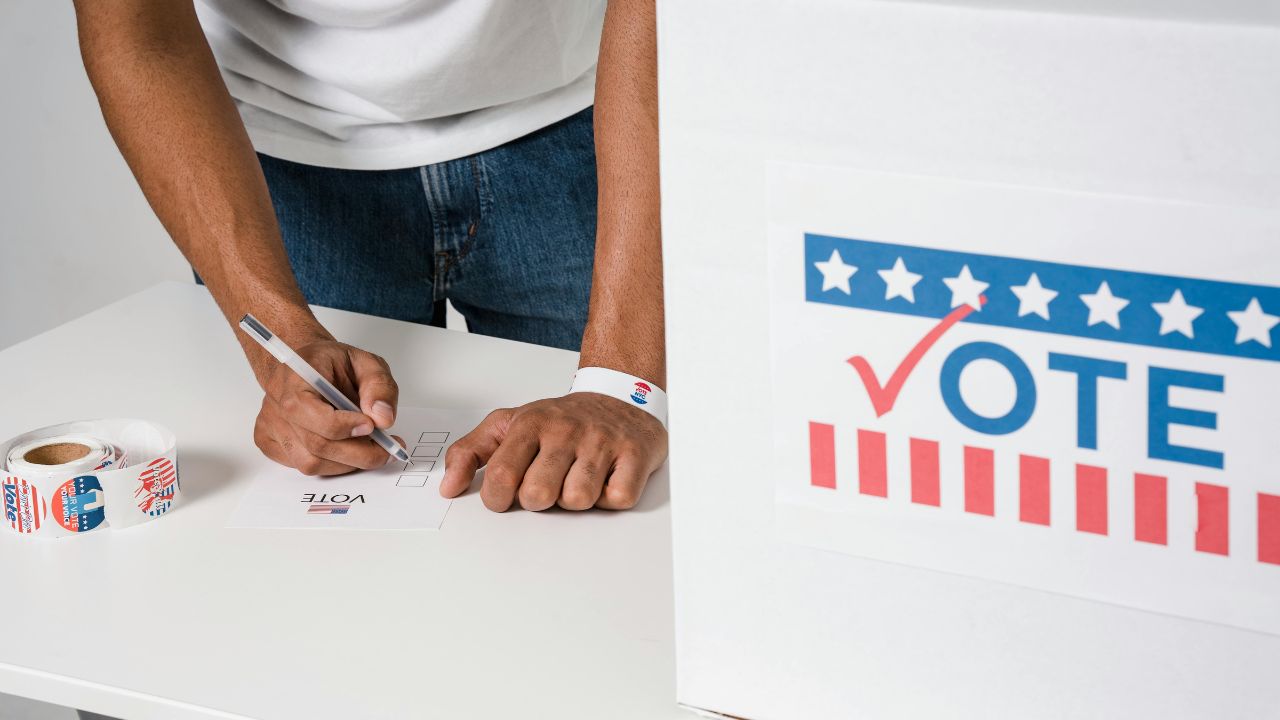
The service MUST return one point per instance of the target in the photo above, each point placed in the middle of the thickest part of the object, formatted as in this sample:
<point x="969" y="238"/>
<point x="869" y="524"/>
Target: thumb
<point x="472" y="451"/>
<point x="379" y="394"/>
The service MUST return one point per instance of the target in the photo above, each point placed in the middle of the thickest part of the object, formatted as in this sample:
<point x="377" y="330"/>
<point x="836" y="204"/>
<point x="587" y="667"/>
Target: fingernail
<point x="362" y="430"/>
<point x="384" y="411"/>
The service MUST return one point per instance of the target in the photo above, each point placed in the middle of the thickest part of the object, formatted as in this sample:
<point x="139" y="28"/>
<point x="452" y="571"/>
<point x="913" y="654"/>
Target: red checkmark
<point x="883" y="398"/>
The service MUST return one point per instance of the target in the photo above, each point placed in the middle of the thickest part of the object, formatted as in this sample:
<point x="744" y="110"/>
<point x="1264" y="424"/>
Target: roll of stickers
<point x="89" y="475"/>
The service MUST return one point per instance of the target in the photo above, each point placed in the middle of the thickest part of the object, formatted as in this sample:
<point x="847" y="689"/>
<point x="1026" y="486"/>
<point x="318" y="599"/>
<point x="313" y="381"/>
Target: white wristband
<point x="630" y="389"/>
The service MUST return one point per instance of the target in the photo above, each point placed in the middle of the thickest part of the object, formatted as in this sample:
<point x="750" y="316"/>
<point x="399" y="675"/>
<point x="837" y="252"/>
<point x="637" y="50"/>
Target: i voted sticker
<point x="156" y="487"/>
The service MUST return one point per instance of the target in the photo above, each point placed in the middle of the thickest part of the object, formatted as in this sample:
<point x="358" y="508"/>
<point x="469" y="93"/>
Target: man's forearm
<point x="175" y="124"/>
<point x="625" y="329"/>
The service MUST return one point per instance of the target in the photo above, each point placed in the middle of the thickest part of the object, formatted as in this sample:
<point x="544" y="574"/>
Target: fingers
<point x="299" y="428"/>
<point x="379" y="393"/>
<point x="626" y="482"/>
<point x="361" y="453"/>
<point x="311" y="453"/>
<point x="540" y="488"/>
<point x="585" y="480"/>
<point x="578" y="451"/>
<point x="506" y="469"/>
<point x="301" y="405"/>
<point x="472" y="451"/>
<point x="287" y="451"/>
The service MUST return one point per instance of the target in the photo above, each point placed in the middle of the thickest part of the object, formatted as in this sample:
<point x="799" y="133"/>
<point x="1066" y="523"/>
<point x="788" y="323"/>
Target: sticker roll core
<point x="56" y="453"/>
<point x="61" y="455"/>
<point x="79" y="477"/>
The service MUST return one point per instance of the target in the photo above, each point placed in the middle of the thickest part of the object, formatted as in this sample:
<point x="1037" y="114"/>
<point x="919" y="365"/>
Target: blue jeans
<point x="507" y="235"/>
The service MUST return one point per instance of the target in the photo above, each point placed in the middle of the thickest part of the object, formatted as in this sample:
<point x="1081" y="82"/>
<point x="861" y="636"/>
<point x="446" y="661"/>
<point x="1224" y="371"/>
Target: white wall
<point x="75" y="231"/>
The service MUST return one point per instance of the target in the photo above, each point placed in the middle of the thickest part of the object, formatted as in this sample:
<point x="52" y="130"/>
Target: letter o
<point x="1024" y="404"/>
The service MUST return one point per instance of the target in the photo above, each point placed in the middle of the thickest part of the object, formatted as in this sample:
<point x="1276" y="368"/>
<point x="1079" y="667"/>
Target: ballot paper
<point x="397" y="496"/>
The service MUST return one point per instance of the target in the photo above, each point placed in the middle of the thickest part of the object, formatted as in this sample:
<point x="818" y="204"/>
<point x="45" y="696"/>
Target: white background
<point x="75" y="231"/>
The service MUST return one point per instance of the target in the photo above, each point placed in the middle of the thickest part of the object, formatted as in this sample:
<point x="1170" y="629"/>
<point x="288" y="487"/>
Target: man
<point x="410" y="151"/>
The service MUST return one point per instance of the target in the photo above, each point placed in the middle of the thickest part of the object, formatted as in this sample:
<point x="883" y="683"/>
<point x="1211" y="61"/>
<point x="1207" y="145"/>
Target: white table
<point x="516" y="615"/>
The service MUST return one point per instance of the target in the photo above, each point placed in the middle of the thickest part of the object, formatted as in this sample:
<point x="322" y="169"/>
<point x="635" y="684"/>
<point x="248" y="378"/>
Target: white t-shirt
<point x="381" y="84"/>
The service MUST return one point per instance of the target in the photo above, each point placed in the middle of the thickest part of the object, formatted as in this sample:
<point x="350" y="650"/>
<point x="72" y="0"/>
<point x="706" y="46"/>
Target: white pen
<point x="285" y="354"/>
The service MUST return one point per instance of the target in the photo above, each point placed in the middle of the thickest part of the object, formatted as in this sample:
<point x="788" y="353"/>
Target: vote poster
<point x="1067" y="391"/>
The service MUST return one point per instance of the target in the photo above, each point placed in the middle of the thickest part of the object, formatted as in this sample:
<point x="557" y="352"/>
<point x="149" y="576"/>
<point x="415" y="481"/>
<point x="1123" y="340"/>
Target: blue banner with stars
<point x="1180" y="313"/>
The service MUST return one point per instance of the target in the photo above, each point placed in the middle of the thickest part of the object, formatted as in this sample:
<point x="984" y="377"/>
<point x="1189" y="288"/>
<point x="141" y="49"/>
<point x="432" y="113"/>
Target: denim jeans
<point x="507" y="235"/>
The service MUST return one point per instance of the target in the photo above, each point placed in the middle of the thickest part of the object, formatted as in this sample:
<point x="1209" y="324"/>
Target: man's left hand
<point x="579" y="451"/>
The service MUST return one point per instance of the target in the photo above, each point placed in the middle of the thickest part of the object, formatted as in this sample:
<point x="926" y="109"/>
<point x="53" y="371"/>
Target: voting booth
<point x="972" y="316"/>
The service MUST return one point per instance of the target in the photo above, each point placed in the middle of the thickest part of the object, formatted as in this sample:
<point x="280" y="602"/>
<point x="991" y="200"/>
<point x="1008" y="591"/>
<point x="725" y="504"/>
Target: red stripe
<point x="1033" y="489"/>
<point x="979" y="481"/>
<point x="33" y="502"/>
<point x="1091" y="499"/>
<point x="924" y="472"/>
<point x="1151" y="509"/>
<point x="872" y="464"/>
<point x="1269" y="528"/>
<point x="822" y="455"/>
<point x="31" y="498"/>
<point x="1213" y="521"/>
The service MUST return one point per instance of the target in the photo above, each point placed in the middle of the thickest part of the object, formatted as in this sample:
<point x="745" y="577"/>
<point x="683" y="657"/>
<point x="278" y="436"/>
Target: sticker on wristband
<point x="641" y="393"/>
<point x="634" y="391"/>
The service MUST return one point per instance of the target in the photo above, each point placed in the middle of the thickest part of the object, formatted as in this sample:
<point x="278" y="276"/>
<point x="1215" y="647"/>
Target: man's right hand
<point x="176" y="124"/>
<point x="299" y="428"/>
